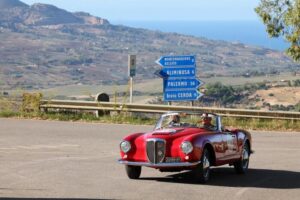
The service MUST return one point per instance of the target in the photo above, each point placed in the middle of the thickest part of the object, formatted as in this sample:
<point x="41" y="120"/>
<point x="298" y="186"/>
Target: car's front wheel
<point x="202" y="171"/>
<point x="241" y="166"/>
<point x="133" y="172"/>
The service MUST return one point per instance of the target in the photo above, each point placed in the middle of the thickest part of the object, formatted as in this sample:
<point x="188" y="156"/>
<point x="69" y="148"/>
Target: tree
<point x="222" y="93"/>
<point x="282" y="18"/>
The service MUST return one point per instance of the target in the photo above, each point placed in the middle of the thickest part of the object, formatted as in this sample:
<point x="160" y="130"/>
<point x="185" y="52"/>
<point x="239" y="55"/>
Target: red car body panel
<point x="226" y="145"/>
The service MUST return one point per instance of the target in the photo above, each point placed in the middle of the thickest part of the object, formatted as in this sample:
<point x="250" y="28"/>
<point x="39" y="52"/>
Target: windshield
<point x="184" y="120"/>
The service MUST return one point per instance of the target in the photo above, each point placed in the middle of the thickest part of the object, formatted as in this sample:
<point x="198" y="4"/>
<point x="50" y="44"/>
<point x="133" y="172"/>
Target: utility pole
<point x="131" y="89"/>
<point x="131" y="74"/>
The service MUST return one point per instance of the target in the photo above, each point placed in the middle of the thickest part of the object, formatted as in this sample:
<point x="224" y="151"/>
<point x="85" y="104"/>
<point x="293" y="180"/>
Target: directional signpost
<point x="181" y="83"/>
<point x="179" y="74"/>
<point x="184" y="95"/>
<point x="131" y="73"/>
<point x="172" y="61"/>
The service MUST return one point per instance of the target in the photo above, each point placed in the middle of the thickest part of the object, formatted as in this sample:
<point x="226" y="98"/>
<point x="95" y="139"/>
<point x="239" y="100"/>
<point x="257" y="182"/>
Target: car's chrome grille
<point x="156" y="149"/>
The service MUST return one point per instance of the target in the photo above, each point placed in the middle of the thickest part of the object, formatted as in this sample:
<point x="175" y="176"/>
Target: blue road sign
<point x="178" y="72"/>
<point x="173" y="84"/>
<point x="186" y="95"/>
<point x="171" y="61"/>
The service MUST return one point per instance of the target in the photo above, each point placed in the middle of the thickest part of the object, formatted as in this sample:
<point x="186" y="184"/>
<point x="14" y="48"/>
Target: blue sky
<point x="119" y="11"/>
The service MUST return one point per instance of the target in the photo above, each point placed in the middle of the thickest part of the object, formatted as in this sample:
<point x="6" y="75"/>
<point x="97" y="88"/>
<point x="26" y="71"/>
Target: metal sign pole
<point x="131" y="89"/>
<point x="192" y="103"/>
<point x="131" y="74"/>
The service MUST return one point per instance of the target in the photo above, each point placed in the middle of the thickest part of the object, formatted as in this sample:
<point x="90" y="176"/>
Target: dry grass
<point x="9" y="104"/>
<point x="279" y="96"/>
<point x="262" y="124"/>
<point x="29" y="109"/>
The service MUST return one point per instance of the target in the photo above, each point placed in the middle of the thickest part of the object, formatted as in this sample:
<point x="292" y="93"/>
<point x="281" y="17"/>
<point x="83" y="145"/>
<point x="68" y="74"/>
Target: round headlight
<point x="125" y="146"/>
<point x="186" y="147"/>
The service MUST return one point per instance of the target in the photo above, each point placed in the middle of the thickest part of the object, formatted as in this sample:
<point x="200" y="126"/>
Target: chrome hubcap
<point x="206" y="165"/>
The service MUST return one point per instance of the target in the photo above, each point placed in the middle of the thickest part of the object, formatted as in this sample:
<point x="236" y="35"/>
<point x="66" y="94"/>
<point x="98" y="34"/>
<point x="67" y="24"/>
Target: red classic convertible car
<point x="186" y="141"/>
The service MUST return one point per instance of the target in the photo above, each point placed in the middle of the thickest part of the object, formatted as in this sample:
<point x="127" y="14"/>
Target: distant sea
<point x="247" y="32"/>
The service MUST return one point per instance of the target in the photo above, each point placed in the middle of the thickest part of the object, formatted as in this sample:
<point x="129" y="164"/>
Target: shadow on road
<point x="226" y="177"/>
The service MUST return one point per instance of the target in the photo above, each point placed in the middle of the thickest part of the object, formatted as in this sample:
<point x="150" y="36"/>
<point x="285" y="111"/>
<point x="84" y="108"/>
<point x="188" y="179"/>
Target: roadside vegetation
<point x="243" y="123"/>
<point x="8" y="107"/>
<point x="29" y="109"/>
<point x="281" y="18"/>
<point x="262" y="124"/>
<point x="254" y="96"/>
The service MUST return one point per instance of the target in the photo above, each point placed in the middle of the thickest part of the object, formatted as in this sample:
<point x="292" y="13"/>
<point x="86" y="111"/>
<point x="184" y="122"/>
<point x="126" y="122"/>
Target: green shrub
<point x="31" y="102"/>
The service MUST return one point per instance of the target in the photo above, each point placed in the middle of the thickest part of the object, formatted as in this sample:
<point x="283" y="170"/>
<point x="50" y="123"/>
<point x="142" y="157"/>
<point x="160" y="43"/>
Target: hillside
<point x="42" y="46"/>
<point x="273" y="96"/>
<point x="7" y="4"/>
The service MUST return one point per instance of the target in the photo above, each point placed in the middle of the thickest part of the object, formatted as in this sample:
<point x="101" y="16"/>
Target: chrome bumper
<point x="158" y="165"/>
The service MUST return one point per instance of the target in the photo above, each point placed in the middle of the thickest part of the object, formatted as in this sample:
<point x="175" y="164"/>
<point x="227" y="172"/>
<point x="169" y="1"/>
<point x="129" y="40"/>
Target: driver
<point x="175" y="120"/>
<point x="206" y="120"/>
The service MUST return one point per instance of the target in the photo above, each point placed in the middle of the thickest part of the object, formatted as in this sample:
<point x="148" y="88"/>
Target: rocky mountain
<point x="7" y="4"/>
<point x="44" y="46"/>
<point x="14" y="12"/>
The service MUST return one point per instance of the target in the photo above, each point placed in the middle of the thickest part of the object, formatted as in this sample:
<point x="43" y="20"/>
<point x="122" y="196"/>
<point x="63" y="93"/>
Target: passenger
<point x="206" y="120"/>
<point x="175" y="120"/>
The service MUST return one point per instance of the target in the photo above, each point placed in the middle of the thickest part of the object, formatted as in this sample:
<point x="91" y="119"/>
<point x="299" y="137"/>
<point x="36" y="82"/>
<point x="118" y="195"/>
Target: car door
<point x="230" y="144"/>
<point x="216" y="138"/>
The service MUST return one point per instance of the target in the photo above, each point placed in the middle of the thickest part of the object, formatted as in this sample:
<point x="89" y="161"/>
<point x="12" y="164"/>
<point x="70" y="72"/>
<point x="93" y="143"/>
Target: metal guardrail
<point x="151" y="108"/>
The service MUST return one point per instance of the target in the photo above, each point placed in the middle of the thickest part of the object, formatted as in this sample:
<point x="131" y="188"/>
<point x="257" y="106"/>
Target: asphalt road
<point x="41" y="159"/>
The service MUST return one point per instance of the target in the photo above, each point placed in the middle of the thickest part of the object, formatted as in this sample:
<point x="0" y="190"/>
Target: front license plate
<point x="172" y="160"/>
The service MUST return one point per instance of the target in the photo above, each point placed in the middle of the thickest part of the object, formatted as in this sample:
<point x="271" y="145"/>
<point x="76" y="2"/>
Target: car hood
<point x="174" y="133"/>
